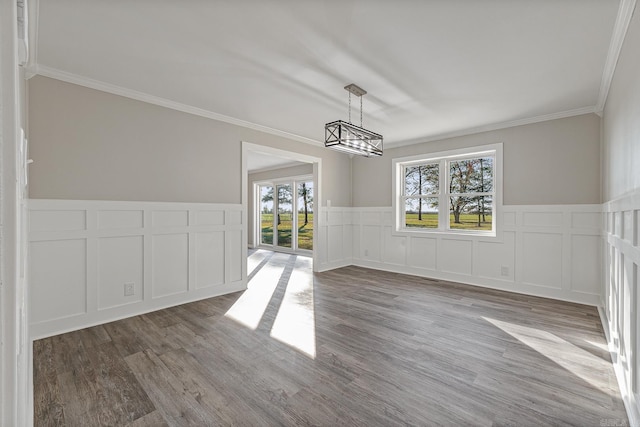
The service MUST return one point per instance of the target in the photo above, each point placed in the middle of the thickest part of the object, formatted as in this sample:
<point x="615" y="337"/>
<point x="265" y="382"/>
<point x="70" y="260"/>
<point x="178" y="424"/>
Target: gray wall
<point x="304" y="169"/>
<point x="621" y="124"/>
<point x="91" y="145"/>
<point x="553" y="162"/>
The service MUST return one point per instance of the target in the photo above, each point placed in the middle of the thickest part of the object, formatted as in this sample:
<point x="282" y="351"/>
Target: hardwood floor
<point x="352" y="346"/>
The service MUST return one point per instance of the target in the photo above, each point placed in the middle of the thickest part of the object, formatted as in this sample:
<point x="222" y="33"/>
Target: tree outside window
<point x="470" y="191"/>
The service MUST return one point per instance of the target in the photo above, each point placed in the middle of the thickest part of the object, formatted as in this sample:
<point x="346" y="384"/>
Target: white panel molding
<point x="65" y="76"/>
<point x="620" y="297"/>
<point x="485" y="259"/>
<point x="335" y="242"/>
<point x="153" y="245"/>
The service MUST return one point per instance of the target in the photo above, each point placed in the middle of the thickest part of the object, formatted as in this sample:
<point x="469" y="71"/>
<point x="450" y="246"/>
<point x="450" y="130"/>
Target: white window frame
<point x="443" y="157"/>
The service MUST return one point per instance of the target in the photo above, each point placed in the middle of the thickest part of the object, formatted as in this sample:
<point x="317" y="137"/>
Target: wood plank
<point x="104" y="392"/>
<point x="48" y="405"/>
<point x="177" y="406"/>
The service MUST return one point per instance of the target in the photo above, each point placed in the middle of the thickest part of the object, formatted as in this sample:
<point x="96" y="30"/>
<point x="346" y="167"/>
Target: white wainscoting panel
<point x="210" y="257"/>
<point x="621" y="299"/>
<point x="120" y="261"/>
<point x="393" y="247"/>
<point x="51" y="220"/>
<point x="423" y="253"/>
<point x="492" y="256"/>
<point x="542" y="219"/>
<point x="456" y="256"/>
<point x="335" y="238"/>
<point x="84" y="254"/>
<point x="108" y="220"/>
<point x="542" y="259"/>
<point x="582" y="274"/>
<point x="551" y="251"/>
<point x="210" y="217"/>
<point x="233" y="251"/>
<point x="58" y="289"/>
<point x="169" y="264"/>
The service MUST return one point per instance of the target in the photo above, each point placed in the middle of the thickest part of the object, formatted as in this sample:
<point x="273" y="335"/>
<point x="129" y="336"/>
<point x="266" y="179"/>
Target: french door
<point x="285" y="214"/>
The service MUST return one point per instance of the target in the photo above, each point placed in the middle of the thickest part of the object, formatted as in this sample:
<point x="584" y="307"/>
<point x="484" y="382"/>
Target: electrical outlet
<point x="366" y="252"/>
<point x="129" y="289"/>
<point x="504" y="270"/>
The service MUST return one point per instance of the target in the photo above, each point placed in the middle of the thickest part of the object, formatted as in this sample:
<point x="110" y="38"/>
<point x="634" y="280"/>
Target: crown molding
<point x="162" y="102"/>
<point x="625" y="12"/>
<point x="495" y="126"/>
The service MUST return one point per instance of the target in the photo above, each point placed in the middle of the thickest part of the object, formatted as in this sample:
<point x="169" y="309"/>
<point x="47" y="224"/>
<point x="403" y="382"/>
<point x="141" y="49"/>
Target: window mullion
<point x="443" y="200"/>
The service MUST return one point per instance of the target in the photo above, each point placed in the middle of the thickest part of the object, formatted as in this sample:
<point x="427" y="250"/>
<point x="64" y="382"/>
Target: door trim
<point x="317" y="181"/>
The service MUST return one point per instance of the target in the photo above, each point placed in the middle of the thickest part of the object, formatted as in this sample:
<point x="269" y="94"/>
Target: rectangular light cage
<point x="352" y="139"/>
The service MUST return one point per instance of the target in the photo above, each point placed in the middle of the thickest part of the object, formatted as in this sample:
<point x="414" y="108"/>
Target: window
<point x="453" y="192"/>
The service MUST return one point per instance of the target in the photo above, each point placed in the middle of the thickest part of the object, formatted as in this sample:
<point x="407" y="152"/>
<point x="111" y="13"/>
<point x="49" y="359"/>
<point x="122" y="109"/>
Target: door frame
<point x="257" y="225"/>
<point x="248" y="147"/>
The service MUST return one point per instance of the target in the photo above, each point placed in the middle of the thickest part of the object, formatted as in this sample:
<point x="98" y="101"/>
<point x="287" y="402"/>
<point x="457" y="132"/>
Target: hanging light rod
<point x="349" y="138"/>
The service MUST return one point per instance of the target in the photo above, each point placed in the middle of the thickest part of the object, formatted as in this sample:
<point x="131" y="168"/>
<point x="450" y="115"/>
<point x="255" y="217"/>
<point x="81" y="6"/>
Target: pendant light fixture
<point x="349" y="138"/>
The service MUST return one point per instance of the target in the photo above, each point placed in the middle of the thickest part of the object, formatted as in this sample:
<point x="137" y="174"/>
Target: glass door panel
<point x="285" y="215"/>
<point x="305" y="215"/>
<point x="266" y="214"/>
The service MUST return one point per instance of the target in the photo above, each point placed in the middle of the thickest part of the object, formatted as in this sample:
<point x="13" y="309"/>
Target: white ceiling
<point x="431" y="68"/>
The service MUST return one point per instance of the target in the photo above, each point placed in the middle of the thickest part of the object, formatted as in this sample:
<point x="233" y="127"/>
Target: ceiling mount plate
<point x="355" y="89"/>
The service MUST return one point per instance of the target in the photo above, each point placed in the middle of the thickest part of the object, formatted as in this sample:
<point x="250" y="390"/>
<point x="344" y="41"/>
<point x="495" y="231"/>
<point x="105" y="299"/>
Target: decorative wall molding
<point x="335" y="242"/>
<point x="84" y="253"/>
<point x="549" y="251"/>
<point x="174" y="251"/>
<point x="621" y="278"/>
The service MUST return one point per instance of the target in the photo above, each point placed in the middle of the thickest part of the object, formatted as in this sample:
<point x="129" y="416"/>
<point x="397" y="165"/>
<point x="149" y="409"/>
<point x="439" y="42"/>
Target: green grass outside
<point x="467" y="221"/>
<point x="305" y="232"/>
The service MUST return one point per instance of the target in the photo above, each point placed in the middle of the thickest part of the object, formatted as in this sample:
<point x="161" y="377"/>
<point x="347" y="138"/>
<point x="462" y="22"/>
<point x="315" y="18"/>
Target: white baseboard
<point x="332" y="265"/>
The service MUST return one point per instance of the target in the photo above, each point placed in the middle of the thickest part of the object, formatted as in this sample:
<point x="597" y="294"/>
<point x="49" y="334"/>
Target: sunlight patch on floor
<point x="295" y="322"/>
<point x="255" y="259"/>
<point x="579" y="362"/>
<point x="250" y="307"/>
<point x="601" y="345"/>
